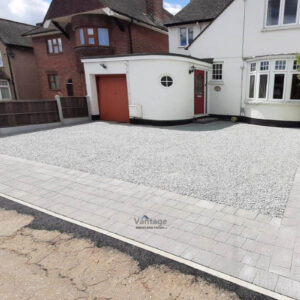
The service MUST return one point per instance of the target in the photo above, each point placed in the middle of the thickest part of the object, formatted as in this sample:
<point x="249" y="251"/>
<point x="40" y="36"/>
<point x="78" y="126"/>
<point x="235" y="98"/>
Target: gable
<point x="224" y="36"/>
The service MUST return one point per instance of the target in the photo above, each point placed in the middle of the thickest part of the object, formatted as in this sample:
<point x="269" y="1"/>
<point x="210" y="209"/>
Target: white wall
<point x="261" y="41"/>
<point x="144" y="87"/>
<point x="174" y="37"/>
<point x="222" y="40"/>
<point x="273" y="111"/>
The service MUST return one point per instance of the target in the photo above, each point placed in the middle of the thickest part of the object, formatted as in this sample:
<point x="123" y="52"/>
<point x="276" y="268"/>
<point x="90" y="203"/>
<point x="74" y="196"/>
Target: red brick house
<point x="73" y="29"/>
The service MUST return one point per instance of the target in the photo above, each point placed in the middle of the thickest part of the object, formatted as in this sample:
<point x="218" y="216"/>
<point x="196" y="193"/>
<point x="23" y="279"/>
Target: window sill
<point x="270" y="102"/>
<point x="281" y="27"/>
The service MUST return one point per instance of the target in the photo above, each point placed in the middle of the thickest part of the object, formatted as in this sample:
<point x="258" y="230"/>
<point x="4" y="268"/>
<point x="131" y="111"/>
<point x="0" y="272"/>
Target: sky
<point x="33" y="11"/>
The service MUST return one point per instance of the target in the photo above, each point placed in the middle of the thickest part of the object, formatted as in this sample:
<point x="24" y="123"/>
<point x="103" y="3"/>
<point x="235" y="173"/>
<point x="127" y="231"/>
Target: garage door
<point x="113" y="98"/>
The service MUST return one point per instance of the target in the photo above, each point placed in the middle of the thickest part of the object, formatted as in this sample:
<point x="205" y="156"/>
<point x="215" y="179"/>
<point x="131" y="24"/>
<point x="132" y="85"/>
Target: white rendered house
<point x="253" y="44"/>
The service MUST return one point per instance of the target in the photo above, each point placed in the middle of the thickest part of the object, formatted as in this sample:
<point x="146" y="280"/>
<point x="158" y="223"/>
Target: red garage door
<point x="113" y="98"/>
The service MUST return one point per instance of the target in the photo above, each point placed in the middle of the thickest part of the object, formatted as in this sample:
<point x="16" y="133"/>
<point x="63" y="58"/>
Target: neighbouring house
<point x="254" y="45"/>
<point x="73" y="29"/>
<point x="18" y="70"/>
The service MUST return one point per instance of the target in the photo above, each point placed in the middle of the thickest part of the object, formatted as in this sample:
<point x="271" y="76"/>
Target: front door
<point x="199" y="92"/>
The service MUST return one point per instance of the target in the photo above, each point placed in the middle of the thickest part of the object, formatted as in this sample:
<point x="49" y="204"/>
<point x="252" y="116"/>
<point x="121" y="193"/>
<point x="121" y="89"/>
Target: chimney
<point x="154" y="8"/>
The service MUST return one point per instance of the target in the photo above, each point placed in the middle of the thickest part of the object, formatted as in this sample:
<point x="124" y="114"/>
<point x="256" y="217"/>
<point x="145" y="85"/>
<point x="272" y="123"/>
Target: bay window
<point x="273" y="80"/>
<point x="263" y="86"/>
<point x="282" y="12"/>
<point x="278" y="86"/>
<point x="295" y="85"/>
<point x="94" y="36"/>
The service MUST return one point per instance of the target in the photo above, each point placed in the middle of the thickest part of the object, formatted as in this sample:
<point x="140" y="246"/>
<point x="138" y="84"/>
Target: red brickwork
<point x="67" y="65"/>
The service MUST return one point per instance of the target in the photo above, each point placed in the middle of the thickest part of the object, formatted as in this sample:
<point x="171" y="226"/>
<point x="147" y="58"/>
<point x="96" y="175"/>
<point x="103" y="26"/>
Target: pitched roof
<point x="199" y="10"/>
<point x="39" y="29"/>
<point x="132" y="8"/>
<point x="11" y="33"/>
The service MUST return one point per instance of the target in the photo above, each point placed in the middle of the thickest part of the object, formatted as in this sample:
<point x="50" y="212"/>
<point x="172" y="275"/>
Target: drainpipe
<point x="130" y="37"/>
<point x="243" y="66"/>
<point x="8" y="54"/>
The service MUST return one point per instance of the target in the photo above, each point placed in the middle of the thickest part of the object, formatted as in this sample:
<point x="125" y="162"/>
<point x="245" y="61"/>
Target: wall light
<point x="104" y="66"/>
<point x="192" y="69"/>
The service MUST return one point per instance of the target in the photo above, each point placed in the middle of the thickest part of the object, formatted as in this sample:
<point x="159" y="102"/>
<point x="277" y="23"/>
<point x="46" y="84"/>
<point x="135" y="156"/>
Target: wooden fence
<point x="29" y="112"/>
<point x="35" y="112"/>
<point x="74" y="107"/>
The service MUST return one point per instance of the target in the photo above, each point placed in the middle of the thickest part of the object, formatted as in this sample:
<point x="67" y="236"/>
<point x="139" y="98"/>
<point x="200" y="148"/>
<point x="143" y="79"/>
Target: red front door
<point x="199" y="92"/>
<point x="113" y="98"/>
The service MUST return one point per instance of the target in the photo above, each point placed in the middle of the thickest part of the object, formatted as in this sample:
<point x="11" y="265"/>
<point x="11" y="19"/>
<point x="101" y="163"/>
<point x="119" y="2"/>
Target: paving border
<point x="145" y="255"/>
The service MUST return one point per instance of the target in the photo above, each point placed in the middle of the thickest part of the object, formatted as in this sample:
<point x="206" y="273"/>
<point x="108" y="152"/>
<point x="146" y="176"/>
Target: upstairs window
<point x="186" y="36"/>
<point x="94" y="36"/>
<point x="91" y="36"/>
<point x="1" y="60"/>
<point x="55" y="46"/>
<point x="282" y="12"/>
<point x="273" y="12"/>
<point x="290" y="11"/>
<point x="217" y="72"/>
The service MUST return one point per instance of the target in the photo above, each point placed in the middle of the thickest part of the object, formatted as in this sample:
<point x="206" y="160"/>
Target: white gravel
<point x="243" y="165"/>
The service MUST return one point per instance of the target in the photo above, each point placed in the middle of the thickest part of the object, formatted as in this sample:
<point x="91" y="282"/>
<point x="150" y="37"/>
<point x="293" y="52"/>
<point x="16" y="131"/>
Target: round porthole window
<point x="166" y="81"/>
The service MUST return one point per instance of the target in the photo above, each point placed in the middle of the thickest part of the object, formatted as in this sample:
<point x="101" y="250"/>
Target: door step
<point x="205" y="120"/>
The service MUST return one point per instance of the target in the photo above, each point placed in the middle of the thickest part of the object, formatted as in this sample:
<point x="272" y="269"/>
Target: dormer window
<point x="93" y="36"/>
<point x="186" y="36"/>
<point x="282" y="12"/>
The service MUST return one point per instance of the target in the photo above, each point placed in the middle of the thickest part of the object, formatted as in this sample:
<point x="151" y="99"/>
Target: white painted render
<point x="174" y="36"/>
<point x="236" y="37"/>
<point x="148" y="99"/>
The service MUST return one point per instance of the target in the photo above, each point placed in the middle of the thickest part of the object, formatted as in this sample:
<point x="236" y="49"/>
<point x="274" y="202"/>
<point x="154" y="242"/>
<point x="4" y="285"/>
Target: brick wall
<point x="67" y="64"/>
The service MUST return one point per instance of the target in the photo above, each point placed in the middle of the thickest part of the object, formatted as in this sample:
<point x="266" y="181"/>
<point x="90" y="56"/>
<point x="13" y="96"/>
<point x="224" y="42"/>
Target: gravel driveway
<point x="243" y="165"/>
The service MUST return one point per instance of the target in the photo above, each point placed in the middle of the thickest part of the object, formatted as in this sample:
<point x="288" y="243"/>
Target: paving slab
<point x="244" y="244"/>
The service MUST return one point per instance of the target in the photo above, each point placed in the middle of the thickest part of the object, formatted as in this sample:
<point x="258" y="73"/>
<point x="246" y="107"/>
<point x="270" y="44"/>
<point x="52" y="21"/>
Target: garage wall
<point x="148" y="99"/>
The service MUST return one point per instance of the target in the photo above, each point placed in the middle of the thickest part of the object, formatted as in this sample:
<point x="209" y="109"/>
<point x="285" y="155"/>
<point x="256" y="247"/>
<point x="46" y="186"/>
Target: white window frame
<point x="1" y="60"/>
<point x="9" y="91"/>
<point x="258" y="85"/>
<point x="252" y="73"/>
<point x="187" y="28"/>
<point x="281" y="16"/>
<point x="289" y="86"/>
<point x="222" y="72"/>
<point x="288" y="72"/>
